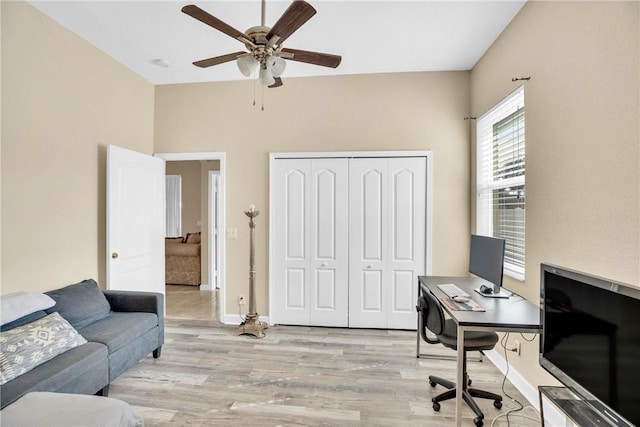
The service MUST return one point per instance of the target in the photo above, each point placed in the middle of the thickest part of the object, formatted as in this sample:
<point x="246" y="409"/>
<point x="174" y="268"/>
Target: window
<point x="173" y="224"/>
<point x="500" y="210"/>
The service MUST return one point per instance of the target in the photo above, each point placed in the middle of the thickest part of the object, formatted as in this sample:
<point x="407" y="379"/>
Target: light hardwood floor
<point x="208" y="376"/>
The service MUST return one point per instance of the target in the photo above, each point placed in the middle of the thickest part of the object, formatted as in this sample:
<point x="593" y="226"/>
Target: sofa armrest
<point x="145" y="302"/>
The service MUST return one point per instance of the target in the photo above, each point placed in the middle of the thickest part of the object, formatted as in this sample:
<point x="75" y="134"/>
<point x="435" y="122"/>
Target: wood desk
<point x="513" y="314"/>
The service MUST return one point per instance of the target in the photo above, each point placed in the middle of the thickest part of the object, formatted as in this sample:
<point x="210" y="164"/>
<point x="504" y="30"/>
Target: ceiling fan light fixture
<point x="266" y="77"/>
<point x="246" y="64"/>
<point x="278" y="66"/>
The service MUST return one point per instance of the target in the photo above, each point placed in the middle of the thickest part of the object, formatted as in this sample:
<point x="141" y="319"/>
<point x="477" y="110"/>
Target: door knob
<point x="114" y="255"/>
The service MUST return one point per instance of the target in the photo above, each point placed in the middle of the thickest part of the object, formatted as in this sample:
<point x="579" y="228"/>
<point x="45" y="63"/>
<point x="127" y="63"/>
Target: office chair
<point x="446" y="334"/>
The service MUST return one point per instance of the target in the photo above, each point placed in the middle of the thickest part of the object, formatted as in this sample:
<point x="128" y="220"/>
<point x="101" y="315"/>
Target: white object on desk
<point x="452" y="290"/>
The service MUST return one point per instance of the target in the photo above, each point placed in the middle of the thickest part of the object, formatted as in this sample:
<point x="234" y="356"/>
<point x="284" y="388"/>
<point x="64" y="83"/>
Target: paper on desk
<point x="471" y="305"/>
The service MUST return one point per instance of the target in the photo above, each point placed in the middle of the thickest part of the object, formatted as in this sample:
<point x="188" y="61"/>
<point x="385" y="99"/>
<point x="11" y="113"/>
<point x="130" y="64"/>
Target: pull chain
<point x="255" y="82"/>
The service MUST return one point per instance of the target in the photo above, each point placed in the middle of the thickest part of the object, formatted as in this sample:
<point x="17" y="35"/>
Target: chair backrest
<point x="432" y="316"/>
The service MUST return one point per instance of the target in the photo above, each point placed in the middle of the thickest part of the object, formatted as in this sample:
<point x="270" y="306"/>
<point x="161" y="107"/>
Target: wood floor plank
<point x="297" y="376"/>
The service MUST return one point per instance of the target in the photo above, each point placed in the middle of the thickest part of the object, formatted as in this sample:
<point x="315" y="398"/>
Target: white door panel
<point x="329" y="252"/>
<point x="135" y="221"/>
<point x="407" y="230"/>
<point x="296" y="289"/>
<point x="291" y="273"/>
<point x="295" y="214"/>
<point x="368" y="234"/>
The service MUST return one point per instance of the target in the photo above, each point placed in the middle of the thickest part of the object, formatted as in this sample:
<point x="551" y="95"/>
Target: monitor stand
<point x="499" y="294"/>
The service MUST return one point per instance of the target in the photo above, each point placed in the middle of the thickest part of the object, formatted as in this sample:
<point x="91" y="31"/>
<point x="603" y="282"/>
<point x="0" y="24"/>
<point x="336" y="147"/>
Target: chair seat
<point x="473" y="340"/>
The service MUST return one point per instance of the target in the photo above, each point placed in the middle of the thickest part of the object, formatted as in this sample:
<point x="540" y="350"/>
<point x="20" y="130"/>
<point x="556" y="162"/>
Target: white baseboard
<point x="236" y="319"/>
<point x="205" y="287"/>
<point x="552" y="415"/>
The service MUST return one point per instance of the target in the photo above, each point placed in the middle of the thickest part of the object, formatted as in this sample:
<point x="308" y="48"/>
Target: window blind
<point x="173" y="224"/>
<point x="500" y="208"/>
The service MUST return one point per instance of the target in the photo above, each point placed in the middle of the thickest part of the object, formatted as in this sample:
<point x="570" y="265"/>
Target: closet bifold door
<point x="387" y="229"/>
<point x="311" y="243"/>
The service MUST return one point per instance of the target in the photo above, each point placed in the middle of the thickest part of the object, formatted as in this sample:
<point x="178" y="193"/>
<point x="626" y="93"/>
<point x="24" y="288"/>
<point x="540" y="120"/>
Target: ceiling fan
<point x="264" y="45"/>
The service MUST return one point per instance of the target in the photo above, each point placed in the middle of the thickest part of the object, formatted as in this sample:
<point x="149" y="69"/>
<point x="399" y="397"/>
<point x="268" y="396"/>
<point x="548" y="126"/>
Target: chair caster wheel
<point x="469" y="383"/>
<point x="432" y="383"/>
<point x="436" y="406"/>
<point x="497" y="404"/>
<point x="478" y="422"/>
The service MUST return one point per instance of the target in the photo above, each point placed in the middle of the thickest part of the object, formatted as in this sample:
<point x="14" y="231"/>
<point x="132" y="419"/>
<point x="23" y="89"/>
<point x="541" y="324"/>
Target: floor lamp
<point x="252" y="325"/>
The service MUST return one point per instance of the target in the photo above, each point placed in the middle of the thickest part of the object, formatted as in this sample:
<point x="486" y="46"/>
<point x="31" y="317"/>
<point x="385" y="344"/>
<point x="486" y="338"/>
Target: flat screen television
<point x="486" y="259"/>
<point x="591" y="340"/>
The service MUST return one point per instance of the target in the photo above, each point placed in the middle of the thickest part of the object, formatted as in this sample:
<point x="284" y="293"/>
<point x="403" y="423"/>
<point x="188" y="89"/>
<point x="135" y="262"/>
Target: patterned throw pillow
<point x="25" y="347"/>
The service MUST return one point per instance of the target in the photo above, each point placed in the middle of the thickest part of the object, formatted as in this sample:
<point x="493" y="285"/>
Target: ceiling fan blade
<point x="315" y="58"/>
<point x="199" y="14"/>
<point x="293" y="18"/>
<point x="204" y="63"/>
<point x="278" y="82"/>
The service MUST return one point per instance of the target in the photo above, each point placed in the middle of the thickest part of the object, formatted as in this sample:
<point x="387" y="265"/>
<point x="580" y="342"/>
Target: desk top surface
<point x="502" y="314"/>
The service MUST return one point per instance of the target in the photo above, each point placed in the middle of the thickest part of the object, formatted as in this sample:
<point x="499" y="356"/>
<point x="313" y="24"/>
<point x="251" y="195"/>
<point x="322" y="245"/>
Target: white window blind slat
<point x="500" y="153"/>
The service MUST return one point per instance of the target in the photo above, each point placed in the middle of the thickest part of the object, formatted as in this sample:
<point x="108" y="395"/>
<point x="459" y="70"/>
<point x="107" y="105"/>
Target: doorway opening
<point x="201" y="299"/>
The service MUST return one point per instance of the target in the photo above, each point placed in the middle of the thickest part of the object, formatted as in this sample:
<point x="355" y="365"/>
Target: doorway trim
<point x="213" y="182"/>
<point x="221" y="156"/>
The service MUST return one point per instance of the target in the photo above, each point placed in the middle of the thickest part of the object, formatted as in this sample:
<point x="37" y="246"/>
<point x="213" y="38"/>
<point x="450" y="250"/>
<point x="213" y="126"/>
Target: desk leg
<point x="460" y="376"/>
<point x="418" y="337"/>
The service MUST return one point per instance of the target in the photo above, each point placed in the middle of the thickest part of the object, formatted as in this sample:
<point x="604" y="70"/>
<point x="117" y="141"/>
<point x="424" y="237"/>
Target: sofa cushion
<point x="19" y="304"/>
<point x="83" y="369"/>
<point x="193" y="238"/>
<point x="25" y="347"/>
<point x="172" y="250"/>
<point x="81" y="304"/>
<point x="119" y="329"/>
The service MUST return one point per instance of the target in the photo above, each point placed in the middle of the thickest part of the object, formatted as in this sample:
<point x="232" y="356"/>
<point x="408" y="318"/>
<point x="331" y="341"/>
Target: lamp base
<point x="252" y="326"/>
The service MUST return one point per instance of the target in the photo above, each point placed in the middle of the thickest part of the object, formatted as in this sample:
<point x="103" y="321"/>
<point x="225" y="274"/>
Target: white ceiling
<point x="372" y="36"/>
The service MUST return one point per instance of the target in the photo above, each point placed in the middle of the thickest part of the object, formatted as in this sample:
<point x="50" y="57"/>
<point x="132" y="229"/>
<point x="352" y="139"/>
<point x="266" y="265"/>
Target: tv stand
<point x="573" y="408"/>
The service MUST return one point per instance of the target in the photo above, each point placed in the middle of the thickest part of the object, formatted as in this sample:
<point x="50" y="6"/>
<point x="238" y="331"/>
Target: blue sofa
<point x="120" y="327"/>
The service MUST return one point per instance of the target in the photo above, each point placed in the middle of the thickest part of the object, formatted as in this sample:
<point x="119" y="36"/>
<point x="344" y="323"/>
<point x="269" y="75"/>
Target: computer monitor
<point x="486" y="260"/>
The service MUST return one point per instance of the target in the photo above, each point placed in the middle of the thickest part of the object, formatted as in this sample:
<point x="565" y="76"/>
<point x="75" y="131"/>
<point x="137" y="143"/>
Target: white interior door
<point x="387" y="240"/>
<point x="291" y="269"/>
<point x="368" y="275"/>
<point x="311" y="246"/>
<point x="329" y="218"/>
<point x="135" y="221"/>
<point x="407" y="243"/>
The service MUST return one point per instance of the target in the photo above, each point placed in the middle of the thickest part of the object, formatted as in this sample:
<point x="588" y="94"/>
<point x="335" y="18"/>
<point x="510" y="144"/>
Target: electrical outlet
<point x="241" y="300"/>
<point x="518" y="346"/>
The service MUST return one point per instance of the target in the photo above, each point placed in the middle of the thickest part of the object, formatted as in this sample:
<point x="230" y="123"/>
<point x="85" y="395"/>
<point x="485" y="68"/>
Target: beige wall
<point x="416" y="111"/>
<point x="191" y="196"/>
<point x="63" y="101"/>
<point x="582" y="119"/>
